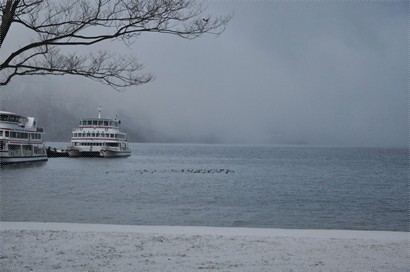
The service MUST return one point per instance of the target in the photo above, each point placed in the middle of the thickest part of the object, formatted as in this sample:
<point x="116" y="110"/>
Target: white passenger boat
<point x="20" y="139"/>
<point x="99" y="137"/>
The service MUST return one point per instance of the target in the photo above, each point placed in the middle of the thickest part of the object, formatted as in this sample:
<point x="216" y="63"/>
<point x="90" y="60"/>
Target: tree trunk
<point x="7" y="18"/>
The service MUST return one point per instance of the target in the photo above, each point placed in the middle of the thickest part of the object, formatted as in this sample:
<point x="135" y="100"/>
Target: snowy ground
<point x="85" y="247"/>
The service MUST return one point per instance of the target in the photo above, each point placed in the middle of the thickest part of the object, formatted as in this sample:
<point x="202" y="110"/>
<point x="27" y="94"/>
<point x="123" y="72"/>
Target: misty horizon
<point x="323" y="74"/>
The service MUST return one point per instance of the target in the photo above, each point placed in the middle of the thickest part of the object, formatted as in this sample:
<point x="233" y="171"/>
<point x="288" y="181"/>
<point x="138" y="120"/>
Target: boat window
<point x="93" y="134"/>
<point x="1" y="133"/>
<point x="10" y="118"/>
<point x="97" y="135"/>
<point x="7" y="133"/>
<point x="100" y="123"/>
<point x="94" y="122"/>
<point x="88" y="134"/>
<point x="105" y="123"/>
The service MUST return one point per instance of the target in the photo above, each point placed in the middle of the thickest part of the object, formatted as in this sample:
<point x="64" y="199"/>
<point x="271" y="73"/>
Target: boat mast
<point x="99" y="112"/>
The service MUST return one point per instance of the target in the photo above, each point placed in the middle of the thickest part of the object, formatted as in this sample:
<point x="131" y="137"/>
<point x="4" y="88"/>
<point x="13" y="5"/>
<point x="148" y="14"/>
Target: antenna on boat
<point x="99" y="112"/>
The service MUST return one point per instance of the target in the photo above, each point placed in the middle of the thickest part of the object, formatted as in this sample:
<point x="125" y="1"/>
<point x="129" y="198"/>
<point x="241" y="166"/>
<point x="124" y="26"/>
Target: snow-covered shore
<point x="84" y="247"/>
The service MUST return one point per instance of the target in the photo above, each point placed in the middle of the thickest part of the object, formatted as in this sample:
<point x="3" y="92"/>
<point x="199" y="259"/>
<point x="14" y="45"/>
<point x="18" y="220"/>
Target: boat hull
<point x="114" y="154"/>
<point x="58" y="153"/>
<point x="106" y="153"/>
<point x="80" y="153"/>
<point x="14" y="160"/>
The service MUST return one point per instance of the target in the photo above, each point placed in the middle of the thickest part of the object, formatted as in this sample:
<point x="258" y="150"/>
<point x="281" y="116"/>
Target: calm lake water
<point x="216" y="185"/>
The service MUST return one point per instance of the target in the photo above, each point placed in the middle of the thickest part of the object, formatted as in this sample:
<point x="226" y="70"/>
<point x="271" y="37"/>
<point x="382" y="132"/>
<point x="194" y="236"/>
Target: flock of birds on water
<point x="186" y="171"/>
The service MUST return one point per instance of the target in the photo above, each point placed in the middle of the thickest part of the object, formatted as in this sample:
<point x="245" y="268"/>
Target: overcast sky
<point x="321" y="73"/>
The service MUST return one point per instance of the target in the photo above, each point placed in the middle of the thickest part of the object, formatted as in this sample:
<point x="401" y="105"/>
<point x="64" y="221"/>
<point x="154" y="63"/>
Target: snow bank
<point x="67" y="246"/>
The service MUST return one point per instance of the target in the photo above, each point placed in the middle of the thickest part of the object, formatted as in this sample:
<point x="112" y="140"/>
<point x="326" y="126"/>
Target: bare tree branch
<point x="57" y="25"/>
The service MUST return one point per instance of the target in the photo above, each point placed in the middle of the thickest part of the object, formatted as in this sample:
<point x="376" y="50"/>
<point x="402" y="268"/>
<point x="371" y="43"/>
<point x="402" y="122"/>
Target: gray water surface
<point x="216" y="185"/>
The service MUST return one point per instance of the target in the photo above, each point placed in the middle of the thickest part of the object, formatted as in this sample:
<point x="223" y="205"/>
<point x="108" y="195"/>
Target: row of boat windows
<point x="97" y="144"/>
<point x="23" y="150"/>
<point x="99" y="123"/>
<point x="98" y="134"/>
<point x="11" y="118"/>
<point x="20" y="135"/>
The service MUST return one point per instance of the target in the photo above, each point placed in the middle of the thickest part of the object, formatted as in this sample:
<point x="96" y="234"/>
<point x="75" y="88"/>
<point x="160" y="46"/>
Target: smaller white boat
<point x="20" y="139"/>
<point x="99" y="137"/>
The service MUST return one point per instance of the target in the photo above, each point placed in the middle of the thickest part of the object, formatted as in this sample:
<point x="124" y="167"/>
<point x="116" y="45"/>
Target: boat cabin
<point x="13" y="119"/>
<point x="99" y="122"/>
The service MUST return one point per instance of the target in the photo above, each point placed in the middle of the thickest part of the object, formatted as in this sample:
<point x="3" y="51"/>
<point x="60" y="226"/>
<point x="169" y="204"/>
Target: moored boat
<point x="99" y="137"/>
<point x="56" y="152"/>
<point x="20" y="139"/>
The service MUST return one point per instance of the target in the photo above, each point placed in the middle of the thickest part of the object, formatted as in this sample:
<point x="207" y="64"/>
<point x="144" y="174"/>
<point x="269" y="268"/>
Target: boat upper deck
<point x="100" y="122"/>
<point x="12" y="118"/>
<point x="14" y="122"/>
